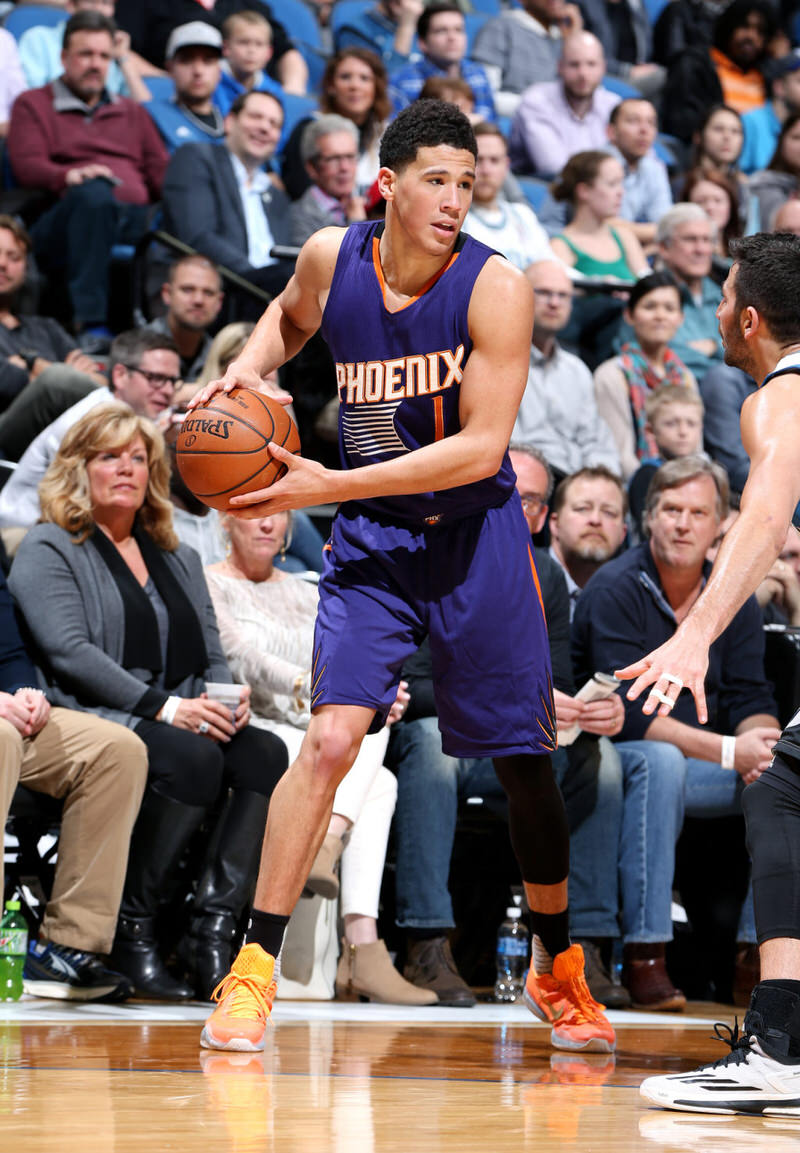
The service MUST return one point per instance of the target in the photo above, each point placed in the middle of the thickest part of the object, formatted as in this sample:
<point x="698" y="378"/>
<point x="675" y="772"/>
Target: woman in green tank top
<point x="592" y="183"/>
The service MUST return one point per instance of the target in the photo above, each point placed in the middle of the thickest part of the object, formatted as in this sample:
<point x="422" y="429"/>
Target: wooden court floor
<point x="114" y="1083"/>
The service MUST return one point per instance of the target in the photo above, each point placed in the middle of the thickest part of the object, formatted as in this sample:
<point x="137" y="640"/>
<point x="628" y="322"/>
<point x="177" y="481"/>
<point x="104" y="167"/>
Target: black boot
<point x="161" y="833"/>
<point x="225" y="889"/>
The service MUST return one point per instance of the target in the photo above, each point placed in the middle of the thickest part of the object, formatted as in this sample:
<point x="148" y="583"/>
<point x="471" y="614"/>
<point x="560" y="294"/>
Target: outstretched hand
<point x="682" y="662"/>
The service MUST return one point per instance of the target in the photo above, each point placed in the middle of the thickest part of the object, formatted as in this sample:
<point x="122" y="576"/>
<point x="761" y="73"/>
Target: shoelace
<point x="587" y="1010"/>
<point x="243" y="989"/>
<point x="739" y="1045"/>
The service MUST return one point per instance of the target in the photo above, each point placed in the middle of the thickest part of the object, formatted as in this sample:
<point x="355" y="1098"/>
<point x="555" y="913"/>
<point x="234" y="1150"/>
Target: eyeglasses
<point x="340" y="158"/>
<point x="532" y="502"/>
<point x="155" y="379"/>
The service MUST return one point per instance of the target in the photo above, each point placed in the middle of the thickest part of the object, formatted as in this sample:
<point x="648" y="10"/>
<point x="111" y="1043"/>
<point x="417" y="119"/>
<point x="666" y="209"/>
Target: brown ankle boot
<point x="645" y="976"/>
<point x="323" y="878"/>
<point x="367" y="971"/>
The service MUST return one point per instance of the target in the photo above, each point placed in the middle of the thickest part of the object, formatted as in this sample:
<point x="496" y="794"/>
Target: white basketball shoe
<point x="760" y="1077"/>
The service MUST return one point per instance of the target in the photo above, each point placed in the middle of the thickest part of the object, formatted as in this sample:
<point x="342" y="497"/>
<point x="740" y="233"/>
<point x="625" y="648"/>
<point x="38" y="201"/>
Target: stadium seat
<point x="621" y="87"/>
<point x="473" y="22"/>
<point x="534" y="191"/>
<point x="301" y="26"/>
<point x="296" y="108"/>
<point x="300" y="23"/>
<point x="29" y="868"/>
<point x="25" y="16"/>
<point x="346" y="10"/>
<point x="487" y="7"/>
<point x="654" y="9"/>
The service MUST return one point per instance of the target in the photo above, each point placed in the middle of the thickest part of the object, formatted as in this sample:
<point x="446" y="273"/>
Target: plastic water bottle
<point x="512" y="957"/>
<point x="13" y="950"/>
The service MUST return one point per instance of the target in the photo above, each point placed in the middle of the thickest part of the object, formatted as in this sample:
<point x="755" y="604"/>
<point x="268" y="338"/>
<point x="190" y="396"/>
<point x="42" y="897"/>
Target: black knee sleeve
<point x="773" y="841"/>
<point x="537" y="820"/>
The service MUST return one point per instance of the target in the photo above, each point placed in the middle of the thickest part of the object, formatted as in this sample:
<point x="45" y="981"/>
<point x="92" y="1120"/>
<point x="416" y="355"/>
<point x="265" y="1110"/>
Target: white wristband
<point x="169" y="709"/>
<point x="728" y="752"/>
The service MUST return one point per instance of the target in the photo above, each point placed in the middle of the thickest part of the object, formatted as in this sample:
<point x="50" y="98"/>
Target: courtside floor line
<point x="33" y="1009"/>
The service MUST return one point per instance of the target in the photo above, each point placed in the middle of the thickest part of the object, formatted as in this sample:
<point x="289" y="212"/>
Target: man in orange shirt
<point x="729" y="71"/>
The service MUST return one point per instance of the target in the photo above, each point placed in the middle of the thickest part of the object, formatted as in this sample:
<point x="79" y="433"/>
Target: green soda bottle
<point x="13" y="950"/>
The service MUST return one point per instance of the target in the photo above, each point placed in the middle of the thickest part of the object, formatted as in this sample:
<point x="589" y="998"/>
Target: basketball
<point x="221" y="449"/>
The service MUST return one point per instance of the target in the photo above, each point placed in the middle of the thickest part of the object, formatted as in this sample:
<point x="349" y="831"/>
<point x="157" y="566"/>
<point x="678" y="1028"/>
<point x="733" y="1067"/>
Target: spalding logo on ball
<point x="222" y="446"/>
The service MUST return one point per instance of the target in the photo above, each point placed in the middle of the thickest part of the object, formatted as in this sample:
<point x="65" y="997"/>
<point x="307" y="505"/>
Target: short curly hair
<point x="425" y="124"/>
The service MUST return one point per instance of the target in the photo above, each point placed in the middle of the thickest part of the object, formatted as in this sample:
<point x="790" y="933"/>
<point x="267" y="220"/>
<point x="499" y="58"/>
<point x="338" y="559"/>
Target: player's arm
<point x="770" y="430"/>
<point x="501" y="323"/>
<point x="289" y="320"/>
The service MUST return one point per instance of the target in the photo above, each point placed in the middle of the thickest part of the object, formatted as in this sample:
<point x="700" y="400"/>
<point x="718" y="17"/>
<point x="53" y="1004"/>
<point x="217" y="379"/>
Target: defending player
<point x="759" y="322"/>
<point x="430" y="332"/>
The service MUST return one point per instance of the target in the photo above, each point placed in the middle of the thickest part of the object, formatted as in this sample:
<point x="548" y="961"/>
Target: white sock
<point x="542" y="961"/>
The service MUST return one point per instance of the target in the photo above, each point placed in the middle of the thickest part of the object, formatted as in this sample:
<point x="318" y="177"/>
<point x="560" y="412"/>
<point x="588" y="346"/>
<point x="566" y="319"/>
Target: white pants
<point x="366" y="797"/>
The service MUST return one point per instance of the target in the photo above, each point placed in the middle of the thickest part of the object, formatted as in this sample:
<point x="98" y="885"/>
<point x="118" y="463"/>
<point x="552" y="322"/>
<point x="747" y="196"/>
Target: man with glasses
<point x="558" y="412"/>
<point x="144" y="370"/>
<point x="329" y="150"/>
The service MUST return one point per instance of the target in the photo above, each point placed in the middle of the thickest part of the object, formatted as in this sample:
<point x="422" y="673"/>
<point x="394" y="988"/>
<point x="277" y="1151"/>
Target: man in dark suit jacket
<point x="221" y="201"/>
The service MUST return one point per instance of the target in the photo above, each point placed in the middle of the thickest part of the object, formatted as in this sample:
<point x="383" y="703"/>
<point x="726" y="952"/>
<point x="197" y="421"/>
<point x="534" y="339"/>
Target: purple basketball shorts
<point x="470" y="584"/>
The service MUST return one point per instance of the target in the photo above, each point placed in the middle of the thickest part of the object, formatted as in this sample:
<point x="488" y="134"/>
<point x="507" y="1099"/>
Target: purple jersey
<point x="399" y="373"/>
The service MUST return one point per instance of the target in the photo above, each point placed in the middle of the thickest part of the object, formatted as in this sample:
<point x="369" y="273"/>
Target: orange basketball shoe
<point x="563" y="998"/>
<point x="245" y="999"/>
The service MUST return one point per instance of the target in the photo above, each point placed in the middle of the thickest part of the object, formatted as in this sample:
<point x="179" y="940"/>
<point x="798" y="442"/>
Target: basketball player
<point x="760" y="327"/>
<point x="430" y="332"/>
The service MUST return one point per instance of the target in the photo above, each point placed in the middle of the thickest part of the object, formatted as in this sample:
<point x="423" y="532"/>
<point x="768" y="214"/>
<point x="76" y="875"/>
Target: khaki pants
<point x="99" y="768"/>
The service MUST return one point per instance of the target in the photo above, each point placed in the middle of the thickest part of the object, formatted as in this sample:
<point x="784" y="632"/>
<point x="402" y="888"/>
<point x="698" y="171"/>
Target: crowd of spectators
<point x="621" y="148"/>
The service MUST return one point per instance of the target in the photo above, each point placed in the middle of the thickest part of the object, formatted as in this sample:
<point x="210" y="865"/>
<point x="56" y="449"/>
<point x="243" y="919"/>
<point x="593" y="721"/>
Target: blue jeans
<point x="592" y="787"/>
<point x="428" y="787"/>
<point x="77" y="235"/>
<point x="653" y="810"/>
<point x="655" y="804"/>
<point x="430" y="784"/>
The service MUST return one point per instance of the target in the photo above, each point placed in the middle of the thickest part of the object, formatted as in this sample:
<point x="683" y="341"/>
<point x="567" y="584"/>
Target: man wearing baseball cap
<point x="194" y="52"/>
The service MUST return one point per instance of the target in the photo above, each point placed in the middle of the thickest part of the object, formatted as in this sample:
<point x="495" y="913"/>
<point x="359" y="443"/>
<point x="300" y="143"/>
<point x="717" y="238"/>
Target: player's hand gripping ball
<point x="222" y="446"/>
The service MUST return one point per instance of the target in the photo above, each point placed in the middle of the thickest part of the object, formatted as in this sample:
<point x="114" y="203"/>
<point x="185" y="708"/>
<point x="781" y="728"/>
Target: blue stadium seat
<point x="473" y="22"/>
<point x="296" y="108"/>
<point x="654" y="9"/>
<point x="26" y="16"/>
<point x="300" y="23"/>
<point x="534" y="190"/>
<point x="301" y="26"/>
<point x="346" y="10"/>
<point x="621" y="87"/>
<point x="160" y="87"/>
<point x="487" y="7"/>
